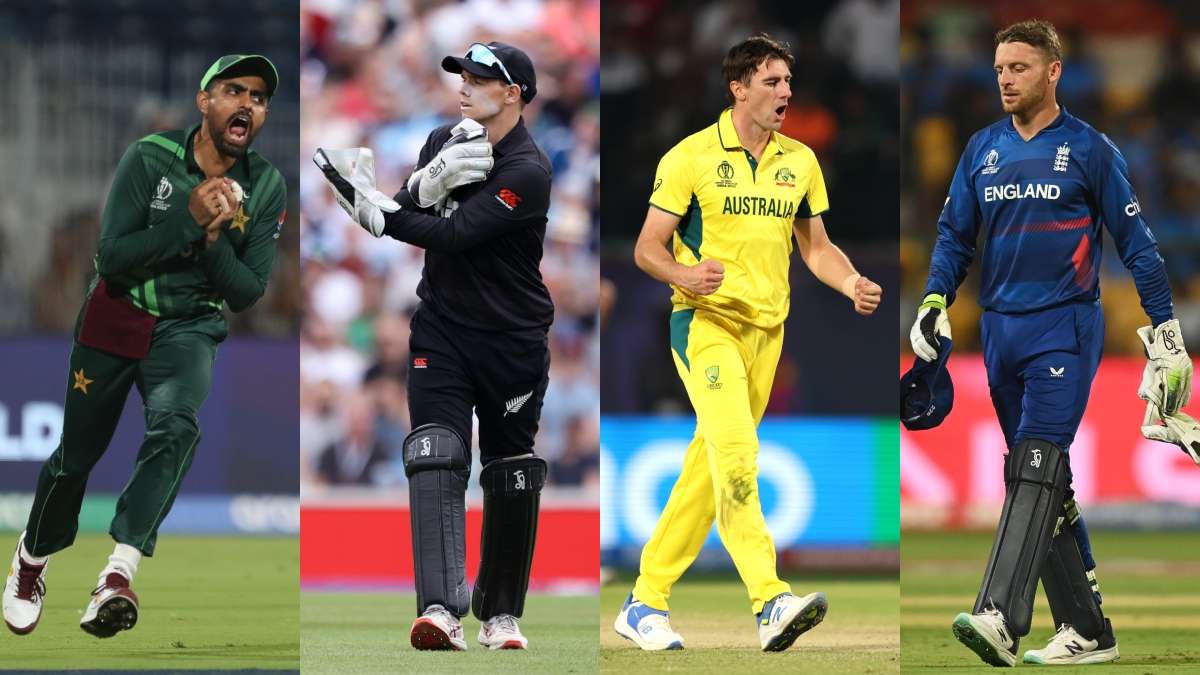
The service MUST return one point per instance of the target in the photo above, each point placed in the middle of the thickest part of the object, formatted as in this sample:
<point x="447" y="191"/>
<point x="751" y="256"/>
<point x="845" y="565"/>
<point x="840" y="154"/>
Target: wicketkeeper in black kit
<point x="477" y="204"/>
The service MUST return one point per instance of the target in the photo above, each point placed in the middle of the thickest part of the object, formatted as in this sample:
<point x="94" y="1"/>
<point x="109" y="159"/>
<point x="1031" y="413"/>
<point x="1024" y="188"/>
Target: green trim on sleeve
<point x="166" y="144"/>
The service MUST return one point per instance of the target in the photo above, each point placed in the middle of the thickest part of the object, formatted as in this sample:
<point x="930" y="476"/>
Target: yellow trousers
<point x="728" y="369"/>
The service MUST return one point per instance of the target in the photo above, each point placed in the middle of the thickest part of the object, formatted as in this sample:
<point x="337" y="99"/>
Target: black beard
<point x="218" y="139"/>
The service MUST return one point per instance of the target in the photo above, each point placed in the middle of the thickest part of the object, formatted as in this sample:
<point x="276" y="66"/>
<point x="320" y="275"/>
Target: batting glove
<point x="1167" y="378"/>
<point x="351" y="174"/>
<point x="932" y="322"/>
<point x="464" y="159"/>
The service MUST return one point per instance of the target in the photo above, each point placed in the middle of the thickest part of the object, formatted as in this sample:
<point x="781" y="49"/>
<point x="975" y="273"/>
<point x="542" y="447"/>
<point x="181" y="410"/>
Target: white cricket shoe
<point x="23" y="592"/>
<point x="502" y="632"/>
<point x="437" y="628"/>
<point x="646" y="627"/>
<point x="1068" y="647"/>
<point x="112" y="609"/>
<point x="786" y="617"/>
<point x="987" y="635"/>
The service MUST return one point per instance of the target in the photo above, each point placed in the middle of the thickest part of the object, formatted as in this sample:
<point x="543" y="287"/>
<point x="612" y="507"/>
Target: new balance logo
<point x="1057" y="372"/>
<point x="1075" y="648"/>
<point x="513" y="405"/>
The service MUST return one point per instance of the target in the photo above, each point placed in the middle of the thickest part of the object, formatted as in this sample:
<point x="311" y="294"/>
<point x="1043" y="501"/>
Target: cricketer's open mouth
<point x="238" y="129"/>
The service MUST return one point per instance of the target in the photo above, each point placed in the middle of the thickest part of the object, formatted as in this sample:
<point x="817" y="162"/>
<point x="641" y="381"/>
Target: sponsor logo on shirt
<point x="995" y="193"/>
<point x="1133" y="208"/>
<point x="508" y="198"/>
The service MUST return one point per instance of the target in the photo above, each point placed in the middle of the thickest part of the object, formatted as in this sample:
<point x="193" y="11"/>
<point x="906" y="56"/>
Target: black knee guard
<point x="438" y="464"/>
<point x="1036" y="474"/>
<point x="511" y="492"/>
<point x="1070" y="586"/>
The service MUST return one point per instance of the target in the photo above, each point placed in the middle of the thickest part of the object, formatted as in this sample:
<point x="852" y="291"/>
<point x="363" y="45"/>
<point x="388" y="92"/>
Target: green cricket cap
<point x="234" y="65"/>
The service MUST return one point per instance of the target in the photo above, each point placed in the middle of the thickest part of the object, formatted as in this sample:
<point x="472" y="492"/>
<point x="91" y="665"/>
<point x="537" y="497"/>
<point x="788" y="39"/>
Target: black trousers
<point x="501" y="375"/>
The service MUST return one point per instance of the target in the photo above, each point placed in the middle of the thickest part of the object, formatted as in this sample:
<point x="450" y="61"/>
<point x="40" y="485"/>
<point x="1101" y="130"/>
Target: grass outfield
<point x="368" y="633"/>
<point x="210" y="603"/>
<point x="1150" y="582"/>
<point x="858" y="635"/>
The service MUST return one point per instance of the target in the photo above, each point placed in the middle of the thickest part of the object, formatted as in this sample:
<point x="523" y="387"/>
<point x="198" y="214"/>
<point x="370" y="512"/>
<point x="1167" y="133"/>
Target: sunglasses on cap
<point x="484" y="56"/>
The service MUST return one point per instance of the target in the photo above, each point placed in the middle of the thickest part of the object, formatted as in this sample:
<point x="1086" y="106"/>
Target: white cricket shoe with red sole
<point x="112" y="609"/>
<point x="502" y="632"/>
<point x="23" y="591"/>
<point x="437" y="628"/>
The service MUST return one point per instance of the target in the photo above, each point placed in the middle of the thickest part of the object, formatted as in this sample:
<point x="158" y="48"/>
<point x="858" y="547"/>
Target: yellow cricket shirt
<point x="740" y="212"/>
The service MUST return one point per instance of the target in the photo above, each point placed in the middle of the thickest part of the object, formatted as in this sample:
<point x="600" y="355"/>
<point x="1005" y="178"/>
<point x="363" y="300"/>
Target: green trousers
<point x="173" y="381"/>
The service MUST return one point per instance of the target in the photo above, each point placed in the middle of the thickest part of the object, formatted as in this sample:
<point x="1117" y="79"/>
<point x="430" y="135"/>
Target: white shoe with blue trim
<point x="646" y="627"/>
<point x="786" y="617"/>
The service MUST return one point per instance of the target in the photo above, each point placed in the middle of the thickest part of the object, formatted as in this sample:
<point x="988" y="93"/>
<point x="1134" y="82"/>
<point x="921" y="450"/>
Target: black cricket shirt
<point x="484" y="250"/>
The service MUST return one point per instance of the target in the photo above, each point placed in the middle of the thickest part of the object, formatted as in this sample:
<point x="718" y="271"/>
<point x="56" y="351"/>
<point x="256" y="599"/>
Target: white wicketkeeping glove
<point x="351" y="174"/>
<point x="1181" y="429"/>
<point x="1167" y="378"/>
<point x="931" y="323"/>
<point x="465" y="158"/>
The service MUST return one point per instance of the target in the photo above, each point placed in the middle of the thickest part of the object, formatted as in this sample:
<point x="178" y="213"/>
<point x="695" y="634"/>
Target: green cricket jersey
<point x="150" y="244"/>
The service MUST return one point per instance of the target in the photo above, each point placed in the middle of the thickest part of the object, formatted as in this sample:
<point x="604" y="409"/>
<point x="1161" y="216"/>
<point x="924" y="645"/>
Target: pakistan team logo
<point x="713" y="373"/>
<point x="785" y="178"/>
<point x="725" y="173"/>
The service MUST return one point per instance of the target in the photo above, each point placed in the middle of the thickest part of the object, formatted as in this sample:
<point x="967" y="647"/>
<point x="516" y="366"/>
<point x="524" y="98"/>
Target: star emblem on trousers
<point x="81" y="381"/>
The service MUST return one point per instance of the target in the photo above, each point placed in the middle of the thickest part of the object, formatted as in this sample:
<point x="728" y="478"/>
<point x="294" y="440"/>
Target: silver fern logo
<point x="513" y="405"/>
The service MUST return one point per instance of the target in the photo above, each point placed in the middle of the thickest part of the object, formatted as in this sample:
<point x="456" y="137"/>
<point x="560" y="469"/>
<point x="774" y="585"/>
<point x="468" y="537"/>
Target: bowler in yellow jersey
<point x="725" y="204"/>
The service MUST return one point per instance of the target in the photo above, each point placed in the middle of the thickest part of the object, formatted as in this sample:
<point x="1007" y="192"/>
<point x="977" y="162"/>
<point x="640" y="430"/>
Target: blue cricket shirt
<point x="1041" y="204"/>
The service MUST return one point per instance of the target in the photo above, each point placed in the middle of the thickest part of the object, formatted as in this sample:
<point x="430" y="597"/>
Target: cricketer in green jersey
<point x="191" y="223"/>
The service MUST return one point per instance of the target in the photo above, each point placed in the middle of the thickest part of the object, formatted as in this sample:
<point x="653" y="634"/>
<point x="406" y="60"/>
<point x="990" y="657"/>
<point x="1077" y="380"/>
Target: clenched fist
<point x="703" y="278"/>
<point x="212" y="201"/>
<point x="867" y="295"/>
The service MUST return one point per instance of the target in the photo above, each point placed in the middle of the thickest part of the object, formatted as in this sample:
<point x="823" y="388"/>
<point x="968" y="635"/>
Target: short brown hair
<point x="746" y="56"/>
<point x="1036" y="33"/>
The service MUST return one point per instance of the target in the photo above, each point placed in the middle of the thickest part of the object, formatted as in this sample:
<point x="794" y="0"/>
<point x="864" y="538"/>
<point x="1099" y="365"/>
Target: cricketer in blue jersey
<point x="1040" y="185"/>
